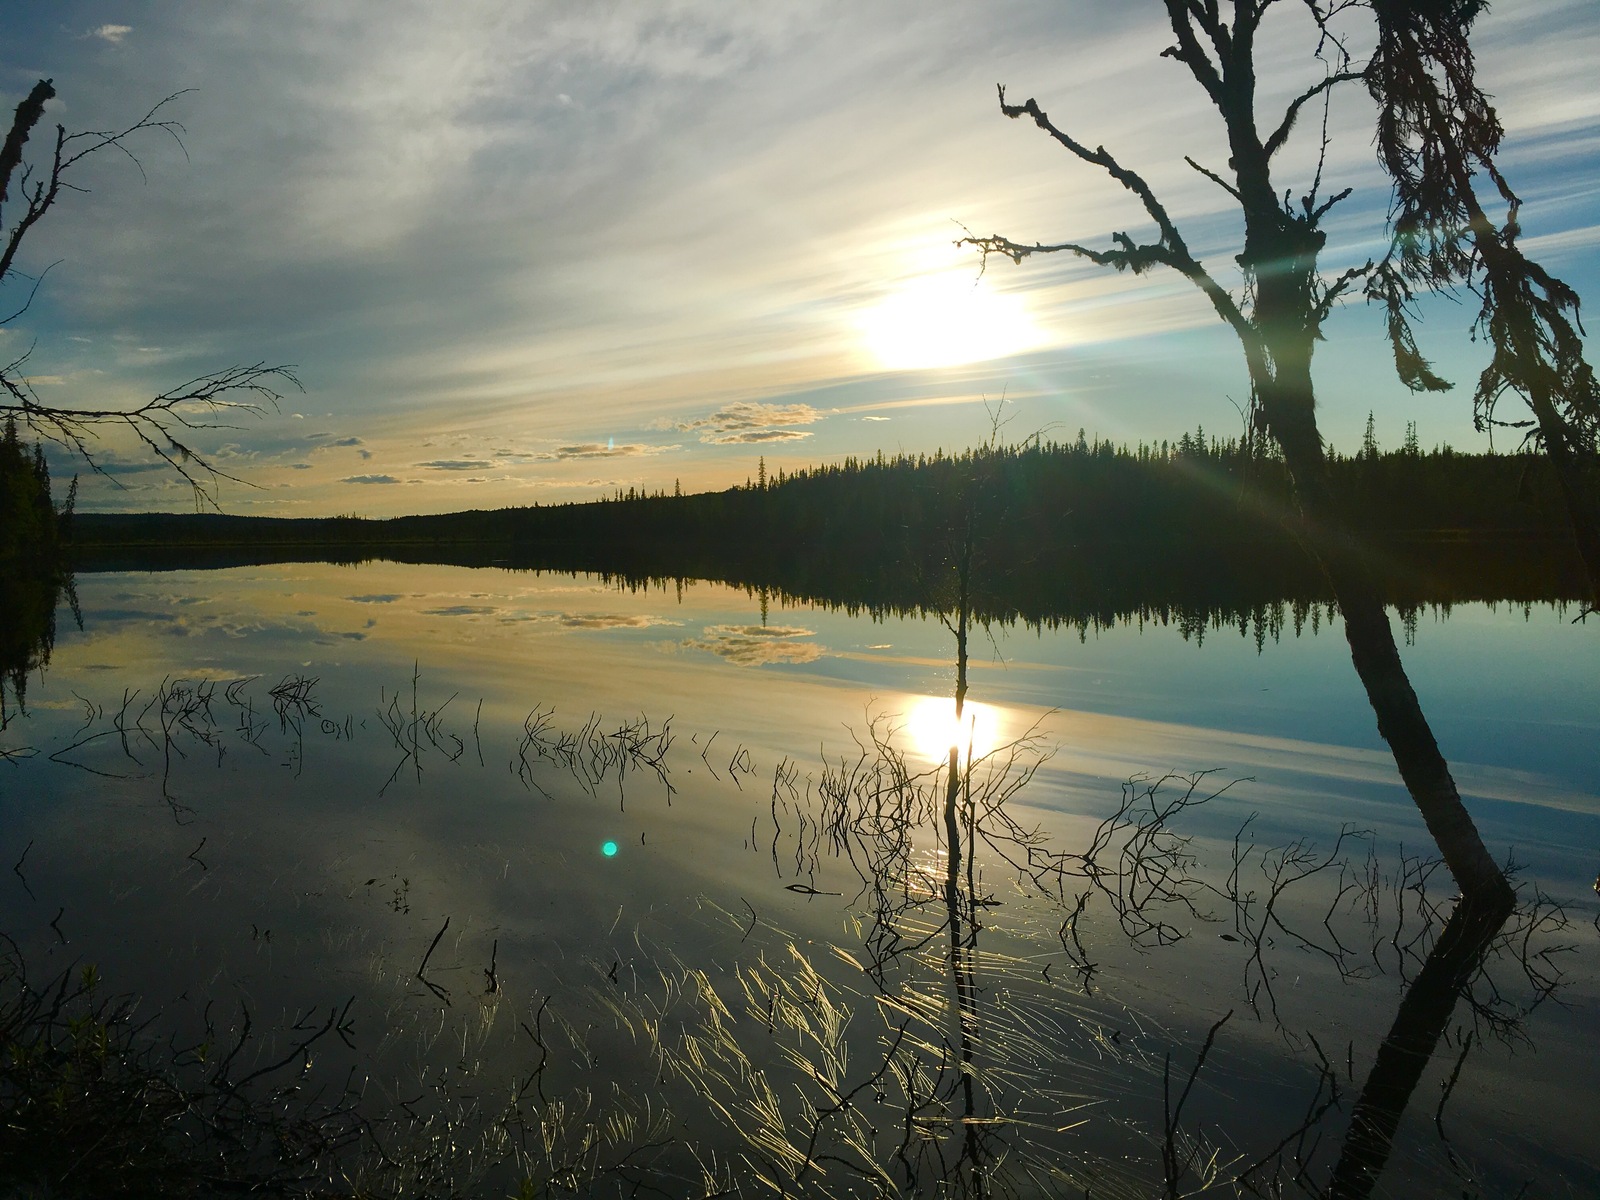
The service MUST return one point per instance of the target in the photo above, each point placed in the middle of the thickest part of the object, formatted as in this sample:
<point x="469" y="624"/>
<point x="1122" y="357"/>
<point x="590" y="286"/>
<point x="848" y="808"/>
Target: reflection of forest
<point x="28" y="631"/>
<point x="33" y="576"/>
<point x="1078" y="534"/>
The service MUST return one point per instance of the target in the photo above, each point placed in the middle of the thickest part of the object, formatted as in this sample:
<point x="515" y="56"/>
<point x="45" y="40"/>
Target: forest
<point x="1039" y="528"/>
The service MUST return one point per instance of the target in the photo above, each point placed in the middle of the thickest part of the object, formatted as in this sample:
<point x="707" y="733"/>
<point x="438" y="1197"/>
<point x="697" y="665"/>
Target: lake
<point x="552" y="882"/>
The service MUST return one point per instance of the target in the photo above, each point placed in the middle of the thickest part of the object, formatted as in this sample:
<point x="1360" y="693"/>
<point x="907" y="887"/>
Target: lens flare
<point x="609" y="849"/>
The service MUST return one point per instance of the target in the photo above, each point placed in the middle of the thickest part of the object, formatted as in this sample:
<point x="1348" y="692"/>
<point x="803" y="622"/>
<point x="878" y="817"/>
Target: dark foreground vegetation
<point x="1044" y="532"/>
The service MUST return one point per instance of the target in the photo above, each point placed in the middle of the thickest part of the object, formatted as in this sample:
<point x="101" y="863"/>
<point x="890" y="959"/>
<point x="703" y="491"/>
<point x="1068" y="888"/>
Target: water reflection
<point x="907" y="973"/>
<point x="30" y="594"/>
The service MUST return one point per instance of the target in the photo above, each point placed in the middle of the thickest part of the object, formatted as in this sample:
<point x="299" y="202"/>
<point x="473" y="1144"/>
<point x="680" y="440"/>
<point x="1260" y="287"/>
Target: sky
<point x="529" y="253"/>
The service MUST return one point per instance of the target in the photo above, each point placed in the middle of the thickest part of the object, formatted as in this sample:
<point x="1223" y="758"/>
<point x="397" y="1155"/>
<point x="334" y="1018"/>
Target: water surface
<point x="269" y="788"/>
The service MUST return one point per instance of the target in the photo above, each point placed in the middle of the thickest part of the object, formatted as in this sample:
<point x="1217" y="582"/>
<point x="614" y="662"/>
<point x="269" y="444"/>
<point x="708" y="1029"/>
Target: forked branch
<point x="162" y="424"/>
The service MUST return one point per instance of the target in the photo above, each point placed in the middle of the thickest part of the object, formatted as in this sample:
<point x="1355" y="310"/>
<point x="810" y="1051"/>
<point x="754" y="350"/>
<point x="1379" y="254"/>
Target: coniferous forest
<point x="1039" y="531"/>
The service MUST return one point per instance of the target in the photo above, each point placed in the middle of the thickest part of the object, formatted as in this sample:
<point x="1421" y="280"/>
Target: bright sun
<point x="931" y="728"/>
<point x="946" y="320"/>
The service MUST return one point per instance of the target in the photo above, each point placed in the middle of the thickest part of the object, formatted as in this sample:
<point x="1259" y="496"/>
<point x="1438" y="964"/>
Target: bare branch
<point x="1214" y="177"/>
<point x="158" y="423"/>
<point x="163" y="423"/>
<point x="1173" y="251"/>
<point x="1281" y="134"/>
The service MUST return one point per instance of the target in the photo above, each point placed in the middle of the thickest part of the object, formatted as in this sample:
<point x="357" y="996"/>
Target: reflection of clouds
<point x="566" y="620"/>
<point x="583" y="620"/>
<point x="758" y="645"/>
<point x="108" y="615"/>
<point x="611" y="620"/>
<point x="376" y="598"/>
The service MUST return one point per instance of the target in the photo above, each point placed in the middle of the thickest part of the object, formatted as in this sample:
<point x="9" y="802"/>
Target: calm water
<point x="657" y="885"/>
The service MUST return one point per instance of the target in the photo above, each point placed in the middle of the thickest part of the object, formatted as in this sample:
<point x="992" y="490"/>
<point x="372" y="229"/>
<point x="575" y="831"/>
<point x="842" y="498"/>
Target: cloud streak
<point x="583" y="450"/>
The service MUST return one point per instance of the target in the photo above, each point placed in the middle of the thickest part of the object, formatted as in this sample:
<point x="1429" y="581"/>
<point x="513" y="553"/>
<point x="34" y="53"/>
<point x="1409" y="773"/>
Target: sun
<point x="946" y="320"/>
<point x="931" y="728"/>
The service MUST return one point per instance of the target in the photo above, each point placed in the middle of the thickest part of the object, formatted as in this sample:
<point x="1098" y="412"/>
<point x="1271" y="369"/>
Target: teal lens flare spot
<point x="609" y="849"/>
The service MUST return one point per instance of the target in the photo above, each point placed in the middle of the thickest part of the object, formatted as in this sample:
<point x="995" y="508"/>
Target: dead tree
<point x="1436" y="131"/>
<point x="1278" y="320"/>
<point x="164" y="423"/>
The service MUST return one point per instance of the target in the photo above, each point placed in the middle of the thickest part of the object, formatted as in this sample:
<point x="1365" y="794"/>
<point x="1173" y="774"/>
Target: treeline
<point x="1083" y="531"/>
<point x="1026" y="504"/>
<point x="32" y="529"/>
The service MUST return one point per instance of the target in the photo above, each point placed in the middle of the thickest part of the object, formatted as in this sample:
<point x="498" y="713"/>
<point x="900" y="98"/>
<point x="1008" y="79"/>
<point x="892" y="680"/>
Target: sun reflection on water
<point x="931" y="728"/>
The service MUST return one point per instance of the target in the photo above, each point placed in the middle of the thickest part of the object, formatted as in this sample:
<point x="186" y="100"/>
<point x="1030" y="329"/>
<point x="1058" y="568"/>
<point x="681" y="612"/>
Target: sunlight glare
<point x="946" y="320"/>
<point x="931" y="729"/>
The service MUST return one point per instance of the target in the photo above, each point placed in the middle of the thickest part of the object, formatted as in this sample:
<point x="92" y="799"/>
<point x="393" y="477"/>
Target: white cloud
<point x="744" y="421"/>
<point x="111" y="33"/>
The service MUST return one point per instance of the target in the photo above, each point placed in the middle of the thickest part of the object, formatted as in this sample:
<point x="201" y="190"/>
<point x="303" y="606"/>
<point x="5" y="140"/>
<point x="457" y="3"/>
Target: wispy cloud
<point x="370" y="479"/>
<point x="746" y="421"/>
<point x="457" y="464"/>
<point x="110" y="33"/>
<point x="604" y="450"/>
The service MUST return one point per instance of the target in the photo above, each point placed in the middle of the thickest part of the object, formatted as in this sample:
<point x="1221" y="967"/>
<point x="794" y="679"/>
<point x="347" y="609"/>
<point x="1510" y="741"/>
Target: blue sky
<point x="528" y="252"/>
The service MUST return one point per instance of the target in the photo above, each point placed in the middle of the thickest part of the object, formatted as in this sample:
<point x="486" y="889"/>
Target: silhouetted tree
<point x="1278" y="320"/>
<point x="164" y="423"/>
